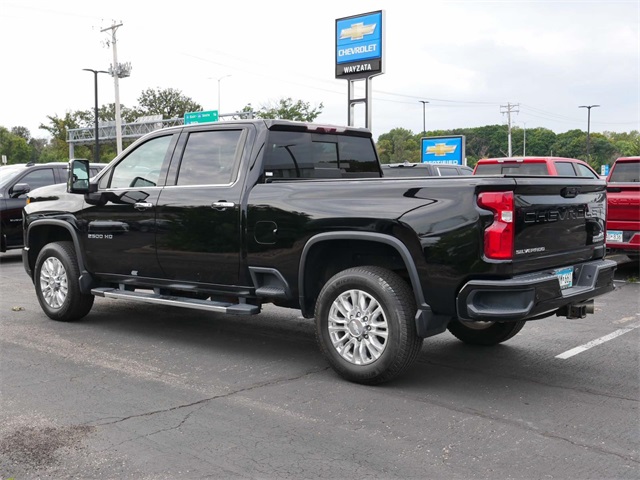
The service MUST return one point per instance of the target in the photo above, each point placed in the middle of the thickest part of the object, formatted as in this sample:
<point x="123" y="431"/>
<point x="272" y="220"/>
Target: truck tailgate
<point x="624" y="202"/>
<point x="558" y="221"/>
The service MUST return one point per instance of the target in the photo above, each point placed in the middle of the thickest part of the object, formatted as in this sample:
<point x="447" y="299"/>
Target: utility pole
<point x="424" y="118"/>
<point x="509" y="108"/>
<point x="524" y="142"/>
<point x="588" y="107"/>
<point x="96" y="153"/>
<point x="117" y="71"/>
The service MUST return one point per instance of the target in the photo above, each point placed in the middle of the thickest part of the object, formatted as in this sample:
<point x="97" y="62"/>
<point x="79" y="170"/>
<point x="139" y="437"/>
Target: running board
<point x="148" y="297"/>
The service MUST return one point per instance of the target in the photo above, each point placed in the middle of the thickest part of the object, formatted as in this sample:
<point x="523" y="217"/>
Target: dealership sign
<point x="443" y="149"/>
<point x="359" y="44"/>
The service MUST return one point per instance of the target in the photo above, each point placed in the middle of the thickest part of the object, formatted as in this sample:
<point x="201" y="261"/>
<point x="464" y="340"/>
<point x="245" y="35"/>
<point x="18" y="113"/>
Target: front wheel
<point x="365" y="324"/>
<point x="56" y="282"/>
<point x="484" y="333"/>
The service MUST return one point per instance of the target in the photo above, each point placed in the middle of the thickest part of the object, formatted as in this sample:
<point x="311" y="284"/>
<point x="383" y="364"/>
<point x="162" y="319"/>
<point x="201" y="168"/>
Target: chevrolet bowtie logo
<point x="441" y="149"/>
<point x="357" y="31"/>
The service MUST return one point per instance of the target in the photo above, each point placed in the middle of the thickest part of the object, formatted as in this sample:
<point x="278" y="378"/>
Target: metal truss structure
<point x="137" y="129"/>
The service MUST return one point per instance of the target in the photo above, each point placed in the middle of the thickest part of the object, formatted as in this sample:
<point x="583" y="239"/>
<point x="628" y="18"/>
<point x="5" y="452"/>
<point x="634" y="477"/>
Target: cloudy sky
<point x="468" y="59"/>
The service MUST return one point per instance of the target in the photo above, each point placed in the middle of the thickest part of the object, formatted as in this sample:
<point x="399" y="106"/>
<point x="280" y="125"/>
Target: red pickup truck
<point x="623" y="207"/>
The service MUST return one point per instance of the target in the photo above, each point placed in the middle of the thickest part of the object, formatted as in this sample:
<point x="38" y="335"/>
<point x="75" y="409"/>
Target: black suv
<point x="15" y="182"/>
<point x="408" y="169"/>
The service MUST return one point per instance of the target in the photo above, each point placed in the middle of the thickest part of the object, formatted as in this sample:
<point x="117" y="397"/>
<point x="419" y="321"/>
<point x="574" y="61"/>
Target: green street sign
<point x="201" y="117"/>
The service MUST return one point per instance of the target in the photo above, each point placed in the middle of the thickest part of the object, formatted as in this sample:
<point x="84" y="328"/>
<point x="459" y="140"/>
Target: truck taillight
<point x="498" y="237"/>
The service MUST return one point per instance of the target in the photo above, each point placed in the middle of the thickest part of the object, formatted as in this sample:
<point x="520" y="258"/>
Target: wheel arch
<point x="41" y="232"/>
<point x="351" y="249"/>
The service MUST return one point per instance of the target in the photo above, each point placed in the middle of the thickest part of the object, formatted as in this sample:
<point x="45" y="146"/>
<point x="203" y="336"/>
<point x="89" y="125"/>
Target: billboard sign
<point x="449" y="149"/>
<point x="359" y="45"/>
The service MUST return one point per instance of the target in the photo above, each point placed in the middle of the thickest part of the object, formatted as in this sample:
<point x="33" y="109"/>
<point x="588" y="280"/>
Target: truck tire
<point x="484" y="333"/>
<point x="56" y="281"/>
<point x="365" y="324"/>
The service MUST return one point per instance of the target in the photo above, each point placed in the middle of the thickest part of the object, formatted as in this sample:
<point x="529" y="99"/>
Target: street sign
<point x="201" y="117"/>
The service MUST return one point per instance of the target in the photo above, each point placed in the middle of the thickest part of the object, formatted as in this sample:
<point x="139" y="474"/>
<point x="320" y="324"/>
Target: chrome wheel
<point x="358" y="327"/>
<point x="53" y="282"/>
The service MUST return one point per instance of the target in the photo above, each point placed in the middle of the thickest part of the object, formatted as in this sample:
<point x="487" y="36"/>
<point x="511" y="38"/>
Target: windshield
<point x="8" y="173"/>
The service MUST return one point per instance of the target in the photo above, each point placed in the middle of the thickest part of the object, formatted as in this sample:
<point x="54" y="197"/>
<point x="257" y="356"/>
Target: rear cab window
<point x="308" y="155"/>
<point x="538" y="168"/>
<point x="626" y="172"/>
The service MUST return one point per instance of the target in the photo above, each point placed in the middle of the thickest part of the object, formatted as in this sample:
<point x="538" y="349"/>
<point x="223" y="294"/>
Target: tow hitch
<point x="576" y="310"/>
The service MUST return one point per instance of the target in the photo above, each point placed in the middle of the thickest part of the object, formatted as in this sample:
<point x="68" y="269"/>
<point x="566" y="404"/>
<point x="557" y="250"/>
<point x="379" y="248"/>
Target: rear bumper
<point x="532" y="295"/>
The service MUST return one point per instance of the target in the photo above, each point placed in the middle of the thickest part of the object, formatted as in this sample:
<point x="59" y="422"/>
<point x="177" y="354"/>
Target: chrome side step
<point x="148" y="297"/>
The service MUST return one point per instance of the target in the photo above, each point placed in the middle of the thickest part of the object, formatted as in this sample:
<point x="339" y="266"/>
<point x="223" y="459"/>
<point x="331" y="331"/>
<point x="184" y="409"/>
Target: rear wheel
<point x="484" y="333"/>
<point x="56" y="282"/>
<point x="365" y="324"/>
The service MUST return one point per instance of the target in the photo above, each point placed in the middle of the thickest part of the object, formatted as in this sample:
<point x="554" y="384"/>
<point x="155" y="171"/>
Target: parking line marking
<point x="597" y="341"/>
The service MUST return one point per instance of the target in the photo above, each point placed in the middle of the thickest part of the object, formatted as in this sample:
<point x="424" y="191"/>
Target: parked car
<point x="561" y="166"/>
<point x="623" y="207"/>
<point x="15" y="182"/>
<point x="408" y="169"/>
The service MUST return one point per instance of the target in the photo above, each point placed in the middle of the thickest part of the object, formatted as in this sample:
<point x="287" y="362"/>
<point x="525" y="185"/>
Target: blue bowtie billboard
<point x="359" y="43"/>
<point x="449" y="149"/>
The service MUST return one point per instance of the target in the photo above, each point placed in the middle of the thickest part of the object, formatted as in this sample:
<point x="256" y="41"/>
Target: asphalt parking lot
<point x="150" y="392"/>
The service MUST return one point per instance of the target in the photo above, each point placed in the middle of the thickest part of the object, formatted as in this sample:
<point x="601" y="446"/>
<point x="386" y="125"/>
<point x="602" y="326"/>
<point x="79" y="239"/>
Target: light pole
<point x="224" y="76"/>
<point x="96" y="153"/>
<point x="424" y="118"/>
<point x="588" y="107"/>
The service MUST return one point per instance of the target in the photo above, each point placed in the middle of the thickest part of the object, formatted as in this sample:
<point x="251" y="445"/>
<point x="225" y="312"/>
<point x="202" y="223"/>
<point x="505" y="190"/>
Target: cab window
<point x="291" y="154"/>
<point x="142" y="167"/>
<point x="210" y="158"/>
<point x="584" y="171"/>
<point x="38" y="178"/>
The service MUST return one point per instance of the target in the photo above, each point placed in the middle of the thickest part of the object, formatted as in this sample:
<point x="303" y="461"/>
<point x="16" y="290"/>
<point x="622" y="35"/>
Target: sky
<point x="468" y="59"/>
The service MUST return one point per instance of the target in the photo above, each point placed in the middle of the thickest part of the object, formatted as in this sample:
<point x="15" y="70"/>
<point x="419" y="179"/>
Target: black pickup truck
<point x="226" y="217"/>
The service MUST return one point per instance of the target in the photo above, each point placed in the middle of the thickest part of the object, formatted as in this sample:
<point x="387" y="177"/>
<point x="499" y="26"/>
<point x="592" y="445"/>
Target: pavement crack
<point x="215" y="397"/>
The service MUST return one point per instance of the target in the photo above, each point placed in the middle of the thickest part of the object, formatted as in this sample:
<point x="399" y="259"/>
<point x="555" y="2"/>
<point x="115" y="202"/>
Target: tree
<point x="572" y="144"/>
<point x="626" y="144"/>
<point x="58" y="150"/>
<point x="21" y="132"/>
<point x="399" y="145"/>
<point x="287" y="109"/>
<point x="170" y="103"/>
<point x="14" y="147"/>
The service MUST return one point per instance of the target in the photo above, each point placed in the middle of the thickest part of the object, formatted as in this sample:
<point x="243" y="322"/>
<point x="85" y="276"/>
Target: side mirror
<point x="19" y="189"/>
<point x="79" y="174"/>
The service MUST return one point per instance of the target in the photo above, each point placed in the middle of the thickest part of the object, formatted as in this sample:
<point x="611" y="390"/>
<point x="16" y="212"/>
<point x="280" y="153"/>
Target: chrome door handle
<point x="142" y="205"/>
<point x="222" y="205"/>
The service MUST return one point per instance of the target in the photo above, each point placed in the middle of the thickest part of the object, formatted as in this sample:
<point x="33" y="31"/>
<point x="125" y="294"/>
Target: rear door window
<point x="210" y="158"/>
<point x="447" y="171"/>
<point x="565" y="169"/>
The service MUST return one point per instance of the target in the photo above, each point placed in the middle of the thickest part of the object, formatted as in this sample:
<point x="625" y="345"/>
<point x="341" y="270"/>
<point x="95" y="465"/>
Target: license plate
<point x="565" y="277"/>
<point x="614" y="236"/>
